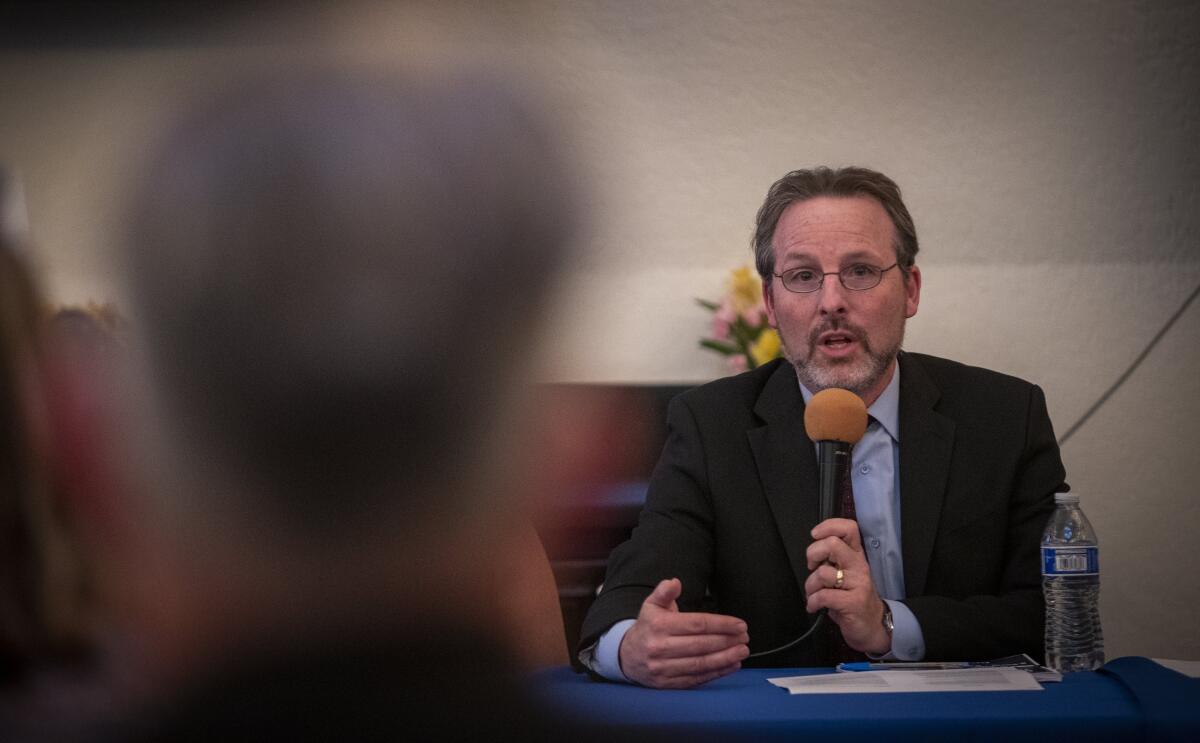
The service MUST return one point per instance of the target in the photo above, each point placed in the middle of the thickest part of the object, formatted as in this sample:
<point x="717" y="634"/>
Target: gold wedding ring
<point x="840" y="580"/>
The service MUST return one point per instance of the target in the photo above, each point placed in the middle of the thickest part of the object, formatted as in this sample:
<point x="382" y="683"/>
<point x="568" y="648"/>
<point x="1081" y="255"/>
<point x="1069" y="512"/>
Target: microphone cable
<point x="812" y="628"/>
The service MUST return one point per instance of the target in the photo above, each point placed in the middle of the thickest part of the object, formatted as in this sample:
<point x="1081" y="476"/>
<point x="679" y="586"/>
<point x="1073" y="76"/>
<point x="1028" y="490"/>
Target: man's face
<point x="837" y="337"/>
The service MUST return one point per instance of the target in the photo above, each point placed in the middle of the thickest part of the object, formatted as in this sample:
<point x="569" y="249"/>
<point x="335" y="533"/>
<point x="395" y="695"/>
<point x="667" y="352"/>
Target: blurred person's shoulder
<point x="425" y="688"/>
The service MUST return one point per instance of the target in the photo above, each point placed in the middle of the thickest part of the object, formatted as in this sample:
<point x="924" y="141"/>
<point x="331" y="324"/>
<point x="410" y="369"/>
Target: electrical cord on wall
<point x="1128" y="372"/>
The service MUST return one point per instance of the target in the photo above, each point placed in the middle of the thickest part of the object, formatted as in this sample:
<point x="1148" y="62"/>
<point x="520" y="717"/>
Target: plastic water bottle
<point x="1071" y="583"/>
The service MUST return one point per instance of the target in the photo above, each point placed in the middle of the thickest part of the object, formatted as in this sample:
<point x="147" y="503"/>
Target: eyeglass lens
<point x="857" y="277"/>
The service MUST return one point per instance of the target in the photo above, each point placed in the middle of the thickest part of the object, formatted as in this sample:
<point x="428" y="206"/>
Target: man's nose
<point x="833" y="296"/>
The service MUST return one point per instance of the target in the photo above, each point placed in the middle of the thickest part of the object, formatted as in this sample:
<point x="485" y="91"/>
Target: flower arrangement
<point x="740" y="330"/>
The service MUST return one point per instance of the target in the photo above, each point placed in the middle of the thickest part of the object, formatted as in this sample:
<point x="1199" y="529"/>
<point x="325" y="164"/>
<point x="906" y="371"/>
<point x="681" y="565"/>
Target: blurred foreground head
<point x="338" y="275"/>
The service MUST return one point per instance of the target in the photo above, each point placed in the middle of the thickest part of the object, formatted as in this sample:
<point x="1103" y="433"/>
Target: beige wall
<point x="1048" y="152"/>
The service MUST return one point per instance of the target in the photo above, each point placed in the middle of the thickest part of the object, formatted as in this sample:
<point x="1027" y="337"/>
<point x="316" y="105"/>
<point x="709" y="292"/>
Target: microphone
<point x="836" y="419"/>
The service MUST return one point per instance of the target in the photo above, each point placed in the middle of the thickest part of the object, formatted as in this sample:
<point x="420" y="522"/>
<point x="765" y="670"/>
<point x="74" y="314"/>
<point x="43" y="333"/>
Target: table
<point x="1128" y="699"/>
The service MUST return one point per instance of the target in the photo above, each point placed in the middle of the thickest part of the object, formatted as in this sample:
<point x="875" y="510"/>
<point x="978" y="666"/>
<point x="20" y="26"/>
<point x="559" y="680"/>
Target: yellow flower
<point x="766" y="347"/>
<point x="745" y="290"/>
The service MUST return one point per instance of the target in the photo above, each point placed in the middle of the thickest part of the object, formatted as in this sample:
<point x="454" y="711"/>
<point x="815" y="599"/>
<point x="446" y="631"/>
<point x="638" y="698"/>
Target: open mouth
<point x="836" y="340"/>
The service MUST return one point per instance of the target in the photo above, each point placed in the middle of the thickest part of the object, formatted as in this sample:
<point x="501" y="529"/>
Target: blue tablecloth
<point x="1130" y="699"/>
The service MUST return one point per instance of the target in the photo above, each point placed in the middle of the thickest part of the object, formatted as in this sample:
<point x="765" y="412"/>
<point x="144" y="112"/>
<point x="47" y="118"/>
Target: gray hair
<point x="802" y="185"/>
<point x="335" y="270"/>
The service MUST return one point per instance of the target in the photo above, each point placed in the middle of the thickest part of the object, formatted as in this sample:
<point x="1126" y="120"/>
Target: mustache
<point x="836" y="324"/>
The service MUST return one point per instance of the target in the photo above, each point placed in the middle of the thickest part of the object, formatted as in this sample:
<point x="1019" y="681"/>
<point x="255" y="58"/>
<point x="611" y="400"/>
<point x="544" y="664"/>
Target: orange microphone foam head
<point x="835" y="415"/>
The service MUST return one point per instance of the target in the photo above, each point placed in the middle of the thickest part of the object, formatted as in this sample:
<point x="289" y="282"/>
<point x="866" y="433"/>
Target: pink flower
<point x="737" y="363"/>
<point x="720" y="329"/>
<point x="723" y="320"/>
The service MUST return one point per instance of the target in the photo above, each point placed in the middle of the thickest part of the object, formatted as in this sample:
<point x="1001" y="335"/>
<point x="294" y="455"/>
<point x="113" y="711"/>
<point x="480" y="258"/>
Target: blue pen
<point x="902" y="666"/>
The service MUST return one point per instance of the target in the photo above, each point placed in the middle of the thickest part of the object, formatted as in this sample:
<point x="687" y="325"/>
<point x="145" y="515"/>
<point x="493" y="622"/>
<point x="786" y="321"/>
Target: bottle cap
<point x="1066" y="498"/>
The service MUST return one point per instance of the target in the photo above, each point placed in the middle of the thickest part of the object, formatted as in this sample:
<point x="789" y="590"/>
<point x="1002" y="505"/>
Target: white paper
<point x="881" y="682"/>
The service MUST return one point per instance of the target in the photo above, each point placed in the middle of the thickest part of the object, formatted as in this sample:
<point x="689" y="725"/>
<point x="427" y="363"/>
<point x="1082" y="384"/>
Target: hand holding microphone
<point x="835" y="419"/>
<point x="841" y="579"/>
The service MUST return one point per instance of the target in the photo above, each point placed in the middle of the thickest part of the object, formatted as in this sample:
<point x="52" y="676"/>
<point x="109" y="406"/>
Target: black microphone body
<point x="833" y="460"/>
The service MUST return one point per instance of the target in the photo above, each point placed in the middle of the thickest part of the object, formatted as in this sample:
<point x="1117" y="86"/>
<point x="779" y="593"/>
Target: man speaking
<point x="936" y="557"/>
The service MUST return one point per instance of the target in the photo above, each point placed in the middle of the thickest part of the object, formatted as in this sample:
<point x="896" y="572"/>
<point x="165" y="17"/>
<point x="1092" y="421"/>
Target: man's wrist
<point x="908" y="642"/>
<point x="606" y="659"/>
<point x="882" y="632"/>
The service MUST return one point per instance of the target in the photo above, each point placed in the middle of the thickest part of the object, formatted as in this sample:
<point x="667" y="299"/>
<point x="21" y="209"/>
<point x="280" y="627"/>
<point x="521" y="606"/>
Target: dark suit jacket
<point x="734" y="497"/>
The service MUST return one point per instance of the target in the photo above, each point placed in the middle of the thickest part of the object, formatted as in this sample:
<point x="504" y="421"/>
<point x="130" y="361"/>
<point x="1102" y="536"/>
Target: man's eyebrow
<point x="792" y="260"/>
<point x="859" y="256"/>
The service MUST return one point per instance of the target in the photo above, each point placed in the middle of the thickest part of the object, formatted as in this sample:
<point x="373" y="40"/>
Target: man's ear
<point x="769" y="302"/>
<point x="912" y="290"/>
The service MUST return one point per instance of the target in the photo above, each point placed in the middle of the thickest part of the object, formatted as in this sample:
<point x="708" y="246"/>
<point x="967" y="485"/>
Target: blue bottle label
<point x="1070" y="560"/>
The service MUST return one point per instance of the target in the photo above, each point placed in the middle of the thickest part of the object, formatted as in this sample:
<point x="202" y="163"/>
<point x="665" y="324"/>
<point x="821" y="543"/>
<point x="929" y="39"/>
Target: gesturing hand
<point x="855" y="604"/>
<point x="669" y="649"/>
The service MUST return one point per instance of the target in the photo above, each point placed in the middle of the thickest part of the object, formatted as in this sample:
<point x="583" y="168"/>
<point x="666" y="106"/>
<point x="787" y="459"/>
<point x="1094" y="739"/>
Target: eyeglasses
<point x="857" y="277"/>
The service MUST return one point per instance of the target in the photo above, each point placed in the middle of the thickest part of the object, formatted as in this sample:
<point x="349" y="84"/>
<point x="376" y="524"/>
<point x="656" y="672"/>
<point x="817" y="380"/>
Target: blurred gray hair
<point x="335" y="269"/>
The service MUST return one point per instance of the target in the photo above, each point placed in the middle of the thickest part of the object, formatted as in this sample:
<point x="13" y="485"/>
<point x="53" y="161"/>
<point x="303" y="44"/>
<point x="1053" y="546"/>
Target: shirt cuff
<point x="605" y="656"/>
<point x="908" y="642"/>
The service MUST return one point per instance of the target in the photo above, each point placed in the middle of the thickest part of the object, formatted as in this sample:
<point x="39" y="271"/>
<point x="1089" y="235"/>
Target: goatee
<point x="856" y="375"/>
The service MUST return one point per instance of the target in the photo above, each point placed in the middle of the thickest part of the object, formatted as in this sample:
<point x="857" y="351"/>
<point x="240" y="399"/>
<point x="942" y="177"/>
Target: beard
<point x="856" y="375"/>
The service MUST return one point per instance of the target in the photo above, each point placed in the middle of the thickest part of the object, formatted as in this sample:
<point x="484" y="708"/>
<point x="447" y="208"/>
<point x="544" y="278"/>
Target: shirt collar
<point x="886" y="408"/>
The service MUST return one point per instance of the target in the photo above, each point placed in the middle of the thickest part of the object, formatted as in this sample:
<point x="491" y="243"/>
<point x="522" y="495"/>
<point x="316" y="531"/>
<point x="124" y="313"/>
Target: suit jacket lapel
<point x="787" y="464"/>
<point x="926" y="445"/>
